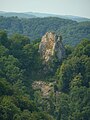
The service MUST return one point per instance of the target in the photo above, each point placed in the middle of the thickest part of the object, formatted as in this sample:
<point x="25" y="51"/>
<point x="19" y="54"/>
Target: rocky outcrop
<point x="44" y="87"/>
<point x="51" y="46"/>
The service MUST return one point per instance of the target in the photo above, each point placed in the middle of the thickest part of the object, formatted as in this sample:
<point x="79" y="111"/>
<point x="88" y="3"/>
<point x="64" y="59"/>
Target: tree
<point x="3" y="38"/>
<point x="63" y="107"/>
<point x="70" y="68"/>
<point x="3" y="51"/>
<point x="9" y="69"/>
<point x="82" y="48"/>
<point x="79" y="103"/>
<point x="77" y="81"/>
<point x="17" y="42"/>
<point x="7" y="108"/>
<point x="5" y="87"/>
<point x="68" y="50"/>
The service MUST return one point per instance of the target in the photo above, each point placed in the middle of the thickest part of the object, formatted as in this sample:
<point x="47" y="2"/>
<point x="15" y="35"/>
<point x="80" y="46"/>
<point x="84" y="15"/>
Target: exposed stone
<point x="51" y="45"/>
<point x="45" y="88"/>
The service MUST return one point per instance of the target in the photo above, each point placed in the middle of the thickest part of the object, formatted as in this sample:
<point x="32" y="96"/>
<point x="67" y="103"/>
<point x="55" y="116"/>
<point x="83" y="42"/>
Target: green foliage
<point x="68" y="50"/>
<point x="74" y="78"/>
<point x="21" y="64"/>
<point x="16" y="44"/>
<point x="32" y="57"/>
<point x="77" y="81"/>
<point x="5" y="87"/>
<point x="24" y="103"/>
<point x="64" y="107"/>
<point x="9" y="69"/>
<point x="3" y="38"/>
<point x="83" y="48"/>
<point x="3" y="51"/>
<point x="41" y="116"/>
<point x="72" y="31"/>
<point x="80" y="104"/>
<point x="77" y="63"/>
<point x="8" y="108"/>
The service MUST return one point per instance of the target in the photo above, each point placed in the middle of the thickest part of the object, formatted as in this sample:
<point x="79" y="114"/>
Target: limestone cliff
<point x="51" y="46"/>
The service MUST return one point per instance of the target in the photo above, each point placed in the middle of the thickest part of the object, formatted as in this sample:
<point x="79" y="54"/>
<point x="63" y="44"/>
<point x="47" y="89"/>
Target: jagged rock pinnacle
<point x="51" y="45"/>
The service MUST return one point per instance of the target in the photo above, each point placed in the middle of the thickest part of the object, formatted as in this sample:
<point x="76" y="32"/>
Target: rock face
<point x="51" y="46"/>
<point x="45" y="88"/>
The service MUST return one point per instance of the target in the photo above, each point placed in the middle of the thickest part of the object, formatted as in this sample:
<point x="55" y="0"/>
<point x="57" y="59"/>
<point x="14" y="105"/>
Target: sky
<point x="60" y="7"/>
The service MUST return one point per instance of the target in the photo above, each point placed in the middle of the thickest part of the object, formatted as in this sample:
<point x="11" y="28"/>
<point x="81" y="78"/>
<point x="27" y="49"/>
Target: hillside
<point x="29" y="93"/>
<point x="72" y="31"/>
<point x="70" y="17"/>
<point x="15" y="14"/>
<point x="42" y="15"/>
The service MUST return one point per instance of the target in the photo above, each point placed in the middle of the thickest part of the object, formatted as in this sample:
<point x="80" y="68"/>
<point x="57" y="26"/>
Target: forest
<point x="21" y="65"/>
<point x="72" y="32"/>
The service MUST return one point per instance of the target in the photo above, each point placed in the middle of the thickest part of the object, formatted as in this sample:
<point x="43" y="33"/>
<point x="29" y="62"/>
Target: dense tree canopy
<point x="21" y="64"/>
<point x="72" y="31"/>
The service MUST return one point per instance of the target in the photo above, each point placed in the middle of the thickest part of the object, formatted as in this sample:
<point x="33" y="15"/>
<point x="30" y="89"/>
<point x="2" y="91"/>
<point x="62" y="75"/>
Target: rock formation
<point x="45" y="88"/>
<point x="51" y="46"/>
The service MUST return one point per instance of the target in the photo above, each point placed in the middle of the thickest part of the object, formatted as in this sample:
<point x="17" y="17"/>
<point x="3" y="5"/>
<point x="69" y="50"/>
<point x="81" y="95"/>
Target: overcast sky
<point x="62" y="7"/>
